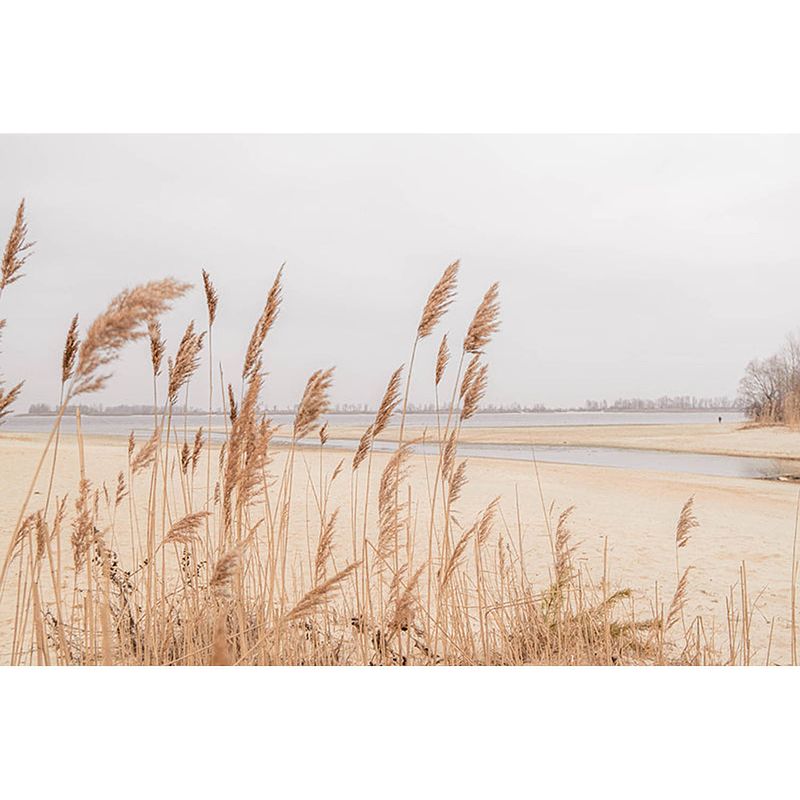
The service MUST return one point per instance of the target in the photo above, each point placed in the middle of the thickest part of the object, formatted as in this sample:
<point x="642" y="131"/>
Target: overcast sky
<point x="629" y="266"/>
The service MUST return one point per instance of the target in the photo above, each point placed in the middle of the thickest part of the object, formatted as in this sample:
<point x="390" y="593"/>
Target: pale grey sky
<point x="628" y="265"/>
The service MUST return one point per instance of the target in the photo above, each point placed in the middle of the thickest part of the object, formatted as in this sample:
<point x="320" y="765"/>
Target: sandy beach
<point x="631" y="515"/>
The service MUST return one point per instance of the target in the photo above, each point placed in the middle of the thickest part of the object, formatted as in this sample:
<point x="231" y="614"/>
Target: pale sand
<point x="720" y="439"/>
<point x="741" y="520"/>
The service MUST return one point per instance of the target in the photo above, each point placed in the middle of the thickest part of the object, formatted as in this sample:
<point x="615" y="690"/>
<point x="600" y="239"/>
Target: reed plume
<point x="686" y="523"/>
<point x="442" y="357"/>
<point x="185" y="529"/>
<point x="70" y="351"/>
<point x="475" y="392"/>
<point x="389" y="505"/>
<point x="186" y="362"/>
<point x="456" y="557"/>
<point x="211" y="298"/>
<point x="262" y="327"/>
<point x="457" y="483"/>
<point x="439" y="301"/>
<point x="17" y="251"/>
<point x="313" y="404"/>
<point x="7" y="399"/>
<point x="479" y="530"/>
<point x="83" y="529"/>
<point x="323" y="434"/>
<point x="449" y="453"/>
<point x="469" y="375"/>
<point x="312" y="600"/>
<point x="225" y="571"/>
<point x="390" y="401"/>
<point x="485" y="323"/>
<point x="197" y="447"/>
<point x="119" y="324"/>
<point x="678" y="600"/>
<point x="564" y="549"/>
<point x="185" y="457"/>
<point x="363" y="447"/>
<point x="232" y="410"/>
<point x="122" y="491"/>
<point x="147" y="453"/>
<point x="324" y="547"/>
<point x="157" y="346"/>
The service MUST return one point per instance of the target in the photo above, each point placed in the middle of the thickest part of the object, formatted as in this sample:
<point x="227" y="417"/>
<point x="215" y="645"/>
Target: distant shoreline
<point x="366" y="412"/>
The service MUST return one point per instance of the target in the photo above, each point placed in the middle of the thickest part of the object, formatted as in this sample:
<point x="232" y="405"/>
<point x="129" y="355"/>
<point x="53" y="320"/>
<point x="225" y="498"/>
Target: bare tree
<point x="770" y="388"/>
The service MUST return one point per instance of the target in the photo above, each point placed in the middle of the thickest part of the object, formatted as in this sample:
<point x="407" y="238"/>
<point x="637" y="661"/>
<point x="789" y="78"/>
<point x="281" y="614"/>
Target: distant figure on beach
<point x="720" y="419"/>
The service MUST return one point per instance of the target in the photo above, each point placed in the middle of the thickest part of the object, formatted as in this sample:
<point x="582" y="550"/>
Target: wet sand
<point x="632" y="513"/>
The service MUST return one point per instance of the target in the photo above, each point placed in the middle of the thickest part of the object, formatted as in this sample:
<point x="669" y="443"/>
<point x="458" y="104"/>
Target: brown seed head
<point x="391" y="398"/>
<point x="184" y="530"/>
<point x="197" y="448"/>
<point x="686" y="522"/>
<point x="120" y="323"/>
<point x="232" y="411"/>
<point x="211" y="298"/>
<point x="17" y="251"/>
<point x="70" y="351"/>
<point x="485" y="323"/>
<point x="439" y="300"/>
<point x="475" y="393"/>
<point x="314" y="403"/>
<point x="442" y="357"/>
<point x="265" y="322"/>
<point x="186" y="362"/>
<point x="363" y="447"/>
<point x="157" y="346"/>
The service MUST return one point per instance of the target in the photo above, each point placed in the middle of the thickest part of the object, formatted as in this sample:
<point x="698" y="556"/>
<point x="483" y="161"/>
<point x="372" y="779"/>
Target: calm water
<point x="625" y="458"/>
<point x="692" y="463"/>
<point x="122" y="426"/>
